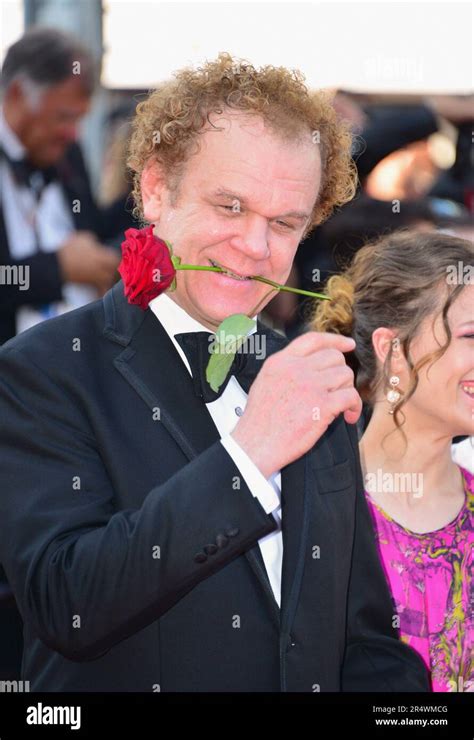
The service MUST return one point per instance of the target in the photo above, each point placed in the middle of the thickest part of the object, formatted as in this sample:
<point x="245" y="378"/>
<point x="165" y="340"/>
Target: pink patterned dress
<point x="432" y="583"/>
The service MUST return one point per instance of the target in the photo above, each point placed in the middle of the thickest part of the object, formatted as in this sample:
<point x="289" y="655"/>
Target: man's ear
<point x="15" y="94"/>
<point x="153" y="187"/>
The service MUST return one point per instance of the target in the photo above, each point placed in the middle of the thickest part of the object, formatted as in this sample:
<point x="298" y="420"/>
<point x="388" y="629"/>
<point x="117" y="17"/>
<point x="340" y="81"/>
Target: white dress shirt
<point x="54" y="225"/>
<point x="225" y="412"/>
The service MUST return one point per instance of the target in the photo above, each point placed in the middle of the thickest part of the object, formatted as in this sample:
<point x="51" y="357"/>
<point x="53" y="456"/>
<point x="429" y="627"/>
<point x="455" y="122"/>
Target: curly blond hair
<point x="168" y="123"/>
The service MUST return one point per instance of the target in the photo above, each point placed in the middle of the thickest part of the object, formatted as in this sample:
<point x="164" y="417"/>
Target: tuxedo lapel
<point x="154" y="369"/>
<point x="294" y="531"/>
<point x="300" y="501"/>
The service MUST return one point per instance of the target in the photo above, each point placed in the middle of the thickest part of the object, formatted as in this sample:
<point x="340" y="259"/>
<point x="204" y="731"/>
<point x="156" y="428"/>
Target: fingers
<point x="106" y="262"/>
<point x="107" y="257"/>
<point x="314" y="341"/>
<point x="345" y="401"/>
<point x="104" y="269"/>
<point x="324" y="359"/>
<point x="340" y="395"/>
<point x="86" y="236"/>
<point x="334" y="378"/>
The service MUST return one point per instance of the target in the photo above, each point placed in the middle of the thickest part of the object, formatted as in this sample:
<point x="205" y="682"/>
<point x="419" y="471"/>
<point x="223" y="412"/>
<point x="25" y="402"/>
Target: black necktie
<point x="29" y="175"/>
<point x="245" y="365"/>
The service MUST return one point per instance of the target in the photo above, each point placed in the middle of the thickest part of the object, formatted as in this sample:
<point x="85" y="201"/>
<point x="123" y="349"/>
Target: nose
<point x="252" y="239"/>
<point x="68" y="132"/>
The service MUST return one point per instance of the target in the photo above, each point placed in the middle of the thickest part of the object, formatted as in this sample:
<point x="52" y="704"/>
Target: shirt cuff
<point x="259" y="486"/>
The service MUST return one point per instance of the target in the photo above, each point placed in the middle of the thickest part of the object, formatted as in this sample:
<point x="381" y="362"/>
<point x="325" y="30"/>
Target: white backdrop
<point x="379" y="46"/>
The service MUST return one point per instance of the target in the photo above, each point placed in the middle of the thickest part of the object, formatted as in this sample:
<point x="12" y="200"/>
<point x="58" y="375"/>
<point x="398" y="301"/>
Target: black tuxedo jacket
<point x="45" y="277"/>
<point x="114" y="487"/>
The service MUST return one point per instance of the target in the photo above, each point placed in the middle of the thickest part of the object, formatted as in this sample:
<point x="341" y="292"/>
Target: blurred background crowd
<point x="65" y="189"/>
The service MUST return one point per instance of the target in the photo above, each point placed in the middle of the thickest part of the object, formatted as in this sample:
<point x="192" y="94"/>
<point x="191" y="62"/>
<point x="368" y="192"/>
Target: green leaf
<point x="230" y="335"/>
<point x="176" y="261"/>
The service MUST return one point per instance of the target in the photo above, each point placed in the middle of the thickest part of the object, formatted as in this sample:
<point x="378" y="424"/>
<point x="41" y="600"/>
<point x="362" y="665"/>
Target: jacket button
<point x="210" y="549"/>
<point x="232" y="531"/>
<point x="291" y="642"/>
<point x="200" y="557"/>
<point x="222" y="540"/>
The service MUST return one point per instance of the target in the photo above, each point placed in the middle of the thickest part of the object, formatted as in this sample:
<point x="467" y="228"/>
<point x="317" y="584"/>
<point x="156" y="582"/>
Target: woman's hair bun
<point x="335" y="315"/>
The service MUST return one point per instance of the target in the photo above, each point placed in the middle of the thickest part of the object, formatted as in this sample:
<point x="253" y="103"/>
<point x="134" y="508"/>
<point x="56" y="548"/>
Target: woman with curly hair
<point x="408" y="300"/>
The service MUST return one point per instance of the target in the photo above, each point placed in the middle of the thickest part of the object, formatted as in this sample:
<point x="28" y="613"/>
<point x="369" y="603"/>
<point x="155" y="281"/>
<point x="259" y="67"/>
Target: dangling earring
<point x="393" y="396"/>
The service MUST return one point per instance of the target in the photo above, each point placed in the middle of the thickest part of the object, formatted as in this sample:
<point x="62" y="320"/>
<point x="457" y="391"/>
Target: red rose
<point x="146" y="267"/>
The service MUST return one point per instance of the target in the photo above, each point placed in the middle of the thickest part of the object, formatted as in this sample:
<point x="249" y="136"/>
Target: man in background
<point x="52" y="232"/>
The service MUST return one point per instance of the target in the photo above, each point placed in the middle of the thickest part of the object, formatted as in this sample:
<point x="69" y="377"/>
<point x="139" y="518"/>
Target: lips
<point x="468" y="387"/>
<point x="230" y="273"/>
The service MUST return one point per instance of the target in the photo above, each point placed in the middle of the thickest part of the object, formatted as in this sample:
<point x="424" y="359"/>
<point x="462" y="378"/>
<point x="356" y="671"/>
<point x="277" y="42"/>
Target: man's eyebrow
<point x="229" y="195"/>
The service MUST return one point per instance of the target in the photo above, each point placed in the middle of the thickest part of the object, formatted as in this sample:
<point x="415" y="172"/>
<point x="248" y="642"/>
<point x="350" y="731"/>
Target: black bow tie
<point x="245" y="366"/>
<point x="30" y="175"/>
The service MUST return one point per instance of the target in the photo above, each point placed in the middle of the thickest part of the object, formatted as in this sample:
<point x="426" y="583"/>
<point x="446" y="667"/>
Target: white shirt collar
<point x="176" y="320"/>
<point x="10" y="141"/>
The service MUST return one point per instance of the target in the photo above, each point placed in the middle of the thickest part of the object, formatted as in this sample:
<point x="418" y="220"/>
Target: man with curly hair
<point x="163" y="537"/>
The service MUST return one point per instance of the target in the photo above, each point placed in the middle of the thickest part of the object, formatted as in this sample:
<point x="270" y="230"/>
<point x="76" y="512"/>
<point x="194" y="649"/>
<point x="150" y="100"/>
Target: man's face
<point x="47" y="130"/>
<point x="244" y="202"/>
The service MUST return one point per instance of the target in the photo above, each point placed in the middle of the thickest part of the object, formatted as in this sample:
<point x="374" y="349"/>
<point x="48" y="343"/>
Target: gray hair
<point x="44" y="57"/>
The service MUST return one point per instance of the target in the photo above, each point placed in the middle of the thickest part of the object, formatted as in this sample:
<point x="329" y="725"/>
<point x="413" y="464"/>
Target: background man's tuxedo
<point x="45" y="282"/>
<point x="101" y="612"/>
